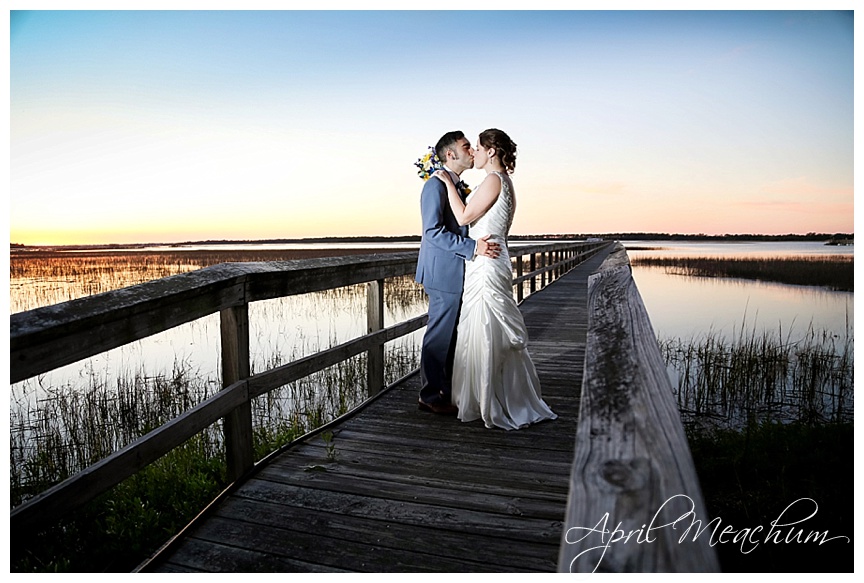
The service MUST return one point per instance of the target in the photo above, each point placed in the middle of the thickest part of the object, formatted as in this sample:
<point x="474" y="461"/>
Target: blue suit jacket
<point x="445" y="245"/>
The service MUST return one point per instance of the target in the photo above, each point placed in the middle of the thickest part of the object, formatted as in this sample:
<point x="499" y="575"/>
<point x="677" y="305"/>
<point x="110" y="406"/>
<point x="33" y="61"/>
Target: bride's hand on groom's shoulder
<point x="442" y="176"/>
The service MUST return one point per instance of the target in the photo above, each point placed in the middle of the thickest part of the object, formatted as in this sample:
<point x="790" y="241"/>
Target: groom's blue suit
<point x="444" y="248"/>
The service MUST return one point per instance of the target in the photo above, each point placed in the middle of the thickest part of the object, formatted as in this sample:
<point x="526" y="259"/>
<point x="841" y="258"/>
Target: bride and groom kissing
<point x="474" y="361"/>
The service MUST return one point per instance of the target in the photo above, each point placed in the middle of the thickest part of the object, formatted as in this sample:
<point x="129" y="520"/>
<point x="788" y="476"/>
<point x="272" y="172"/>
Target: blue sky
<point x="134" y="126"/>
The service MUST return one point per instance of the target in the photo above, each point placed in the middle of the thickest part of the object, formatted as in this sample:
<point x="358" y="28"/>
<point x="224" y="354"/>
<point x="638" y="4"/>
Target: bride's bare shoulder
<point x="493" y="180"/>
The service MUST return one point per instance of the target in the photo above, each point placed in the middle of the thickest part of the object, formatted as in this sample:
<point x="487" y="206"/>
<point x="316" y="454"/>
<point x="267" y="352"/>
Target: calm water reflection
<point x="681" y="306"/>
<point x="685" y="307"/>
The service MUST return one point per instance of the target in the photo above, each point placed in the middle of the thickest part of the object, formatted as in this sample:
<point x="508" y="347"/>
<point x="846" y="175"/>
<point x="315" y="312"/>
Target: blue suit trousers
<point x="439" y="346"/>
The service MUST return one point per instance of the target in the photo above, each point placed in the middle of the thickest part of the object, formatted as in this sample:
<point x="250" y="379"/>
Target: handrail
<point x="633" y="474"/>
<point x="49" y="337"/>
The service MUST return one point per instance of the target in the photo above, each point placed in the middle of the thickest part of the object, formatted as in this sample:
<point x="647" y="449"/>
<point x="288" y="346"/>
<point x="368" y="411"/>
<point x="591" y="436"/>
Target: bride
<point x="493" y="375"/>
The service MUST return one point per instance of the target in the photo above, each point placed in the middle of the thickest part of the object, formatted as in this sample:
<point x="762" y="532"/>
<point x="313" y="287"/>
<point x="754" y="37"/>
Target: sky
<point x="139" y="126"/>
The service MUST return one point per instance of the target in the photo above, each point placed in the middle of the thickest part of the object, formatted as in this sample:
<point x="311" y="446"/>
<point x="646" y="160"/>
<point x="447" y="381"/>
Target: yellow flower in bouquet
<point x="429" y="163"/>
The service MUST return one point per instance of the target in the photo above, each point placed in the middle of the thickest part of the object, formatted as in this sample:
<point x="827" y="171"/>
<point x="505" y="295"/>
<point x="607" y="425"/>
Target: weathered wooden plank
<point x="632" y="468"/>
<point x="542" y="476"/>
<point x="546" y="448"/>
<point x="400" y="485"/>
<point x="548" y="438"/>
<point x="460" y="475"/>
<point x="500" y="525"/>
<point x="47" y="338"/>
<point x="450" y="449"/>
<point x="439" y="548"/>
<point x="342" y="554"/>
<point x="274" y="279"/>
<point x="217" y="557"/>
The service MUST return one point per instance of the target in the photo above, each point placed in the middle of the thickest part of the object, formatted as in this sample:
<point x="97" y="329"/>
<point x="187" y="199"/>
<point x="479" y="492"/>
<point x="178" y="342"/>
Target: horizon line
<point x="413" y="238"/>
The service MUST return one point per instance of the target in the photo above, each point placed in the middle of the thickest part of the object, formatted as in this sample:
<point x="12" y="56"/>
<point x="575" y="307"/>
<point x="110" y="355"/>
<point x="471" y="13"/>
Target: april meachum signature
<point x="748" y="538"/>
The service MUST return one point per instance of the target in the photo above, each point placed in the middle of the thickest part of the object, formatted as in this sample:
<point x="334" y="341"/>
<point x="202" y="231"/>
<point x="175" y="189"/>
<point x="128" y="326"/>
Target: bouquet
<point x="429" y="163"/>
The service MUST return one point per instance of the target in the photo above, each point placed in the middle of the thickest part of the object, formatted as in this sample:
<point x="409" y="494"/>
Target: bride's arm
<point x="486" y="195"/>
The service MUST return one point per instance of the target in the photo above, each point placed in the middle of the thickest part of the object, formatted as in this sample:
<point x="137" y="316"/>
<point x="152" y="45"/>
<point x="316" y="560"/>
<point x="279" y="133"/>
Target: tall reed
<point x="762" y="376"/>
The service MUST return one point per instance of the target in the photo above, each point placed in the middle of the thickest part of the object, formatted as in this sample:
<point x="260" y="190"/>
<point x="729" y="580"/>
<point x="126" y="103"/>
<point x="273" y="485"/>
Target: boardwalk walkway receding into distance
<point x="409" y="490"/>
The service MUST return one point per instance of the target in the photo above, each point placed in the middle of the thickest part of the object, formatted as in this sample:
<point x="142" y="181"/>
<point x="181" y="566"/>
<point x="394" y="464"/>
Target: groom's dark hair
<point x="447" y="142"/>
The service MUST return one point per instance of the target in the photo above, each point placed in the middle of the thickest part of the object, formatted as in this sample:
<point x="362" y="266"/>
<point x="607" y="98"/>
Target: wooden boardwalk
<point x="411" y="491"/>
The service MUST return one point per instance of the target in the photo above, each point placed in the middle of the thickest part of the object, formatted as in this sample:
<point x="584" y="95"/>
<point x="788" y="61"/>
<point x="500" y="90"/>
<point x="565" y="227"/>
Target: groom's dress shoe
<point x="439" y="408"/>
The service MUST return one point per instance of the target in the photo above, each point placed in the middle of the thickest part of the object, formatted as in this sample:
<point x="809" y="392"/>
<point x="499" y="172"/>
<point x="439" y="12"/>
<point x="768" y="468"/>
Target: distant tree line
<point x="692" y="237"/>
<point x="830" y="238"/>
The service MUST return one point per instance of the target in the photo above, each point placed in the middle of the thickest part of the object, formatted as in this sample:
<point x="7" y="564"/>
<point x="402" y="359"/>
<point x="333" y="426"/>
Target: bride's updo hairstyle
<point x="505" y="148"/>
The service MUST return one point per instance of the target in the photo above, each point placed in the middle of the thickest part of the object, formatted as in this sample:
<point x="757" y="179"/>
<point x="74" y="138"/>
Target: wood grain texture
<point x="632" y="473"/>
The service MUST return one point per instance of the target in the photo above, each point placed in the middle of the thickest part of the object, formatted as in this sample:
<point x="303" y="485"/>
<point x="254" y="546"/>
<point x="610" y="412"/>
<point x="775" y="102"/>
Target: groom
<point x="444" y="248"/>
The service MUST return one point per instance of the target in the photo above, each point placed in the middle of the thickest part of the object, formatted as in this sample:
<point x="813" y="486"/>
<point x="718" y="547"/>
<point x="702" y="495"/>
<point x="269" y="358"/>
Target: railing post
<point x="235" y="367"/>
<point x="544" y="261"/>
<point x="519" y="292"/>
<point x="375" y="322"/>
<point x="533" y="268"/>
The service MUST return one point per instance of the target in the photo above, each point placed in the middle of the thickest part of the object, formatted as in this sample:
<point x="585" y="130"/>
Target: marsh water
<point x="685" y="307"/>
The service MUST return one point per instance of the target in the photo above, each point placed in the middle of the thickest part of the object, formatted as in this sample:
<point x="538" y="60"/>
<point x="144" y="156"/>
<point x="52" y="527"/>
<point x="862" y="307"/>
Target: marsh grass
<point x="69" y="429"/>
<point x="762" y="376"/>
<point x="833" y="271"/>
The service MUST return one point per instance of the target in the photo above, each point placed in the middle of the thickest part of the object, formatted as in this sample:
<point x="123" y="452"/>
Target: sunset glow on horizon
<point x="171" y="126"/>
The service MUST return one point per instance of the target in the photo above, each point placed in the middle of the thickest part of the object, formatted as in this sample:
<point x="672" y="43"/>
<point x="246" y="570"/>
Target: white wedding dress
<point x="493" y="376"/>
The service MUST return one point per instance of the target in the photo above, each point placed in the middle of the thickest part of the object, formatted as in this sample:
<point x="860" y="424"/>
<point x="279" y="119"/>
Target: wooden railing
<point x="633" y="488"/>
<point x="47" y="338"/>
